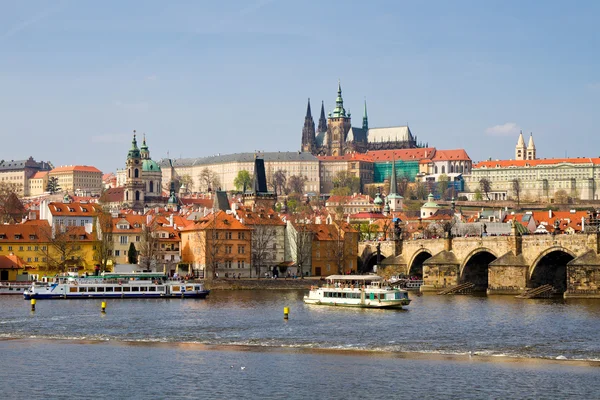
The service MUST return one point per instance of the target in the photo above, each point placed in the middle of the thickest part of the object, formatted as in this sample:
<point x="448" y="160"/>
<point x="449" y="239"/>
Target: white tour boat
<point x="126" y="286"/>
<point x="13" y="287"/>
<point x="365" y="291"/>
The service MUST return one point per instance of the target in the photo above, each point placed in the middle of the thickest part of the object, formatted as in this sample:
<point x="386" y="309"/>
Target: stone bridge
<point x="495" y="264"/>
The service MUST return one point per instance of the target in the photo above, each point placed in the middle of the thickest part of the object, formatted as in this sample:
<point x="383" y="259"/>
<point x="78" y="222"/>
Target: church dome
<point x="150" y="166"/>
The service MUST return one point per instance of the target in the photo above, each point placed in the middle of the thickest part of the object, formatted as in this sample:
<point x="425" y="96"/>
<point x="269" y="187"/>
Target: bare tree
<point x="214" y="243"/>
<point x="262" y="245"/>
<point x="337" y="246"/>
<point x="296" y="184"/>
<point x="105" y="245"/>
<point x="403" y="185"/>
<point x="187" y="182"/>
<point x="486" y="187"/>
<point x="209" y="179"/>
<point x="279" y="181"/>
<point x="11" y="207"/>
<point x="420" y="191"/>
<point x="516" y="187"/>
<point x="63" y="249"/>
<point x="148" y="250"/>
<point x="301" y="245"/>
<point x="442" y="186"/>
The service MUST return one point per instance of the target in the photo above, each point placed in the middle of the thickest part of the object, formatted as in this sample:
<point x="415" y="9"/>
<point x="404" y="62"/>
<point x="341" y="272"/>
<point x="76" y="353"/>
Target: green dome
<point x="150" y="166"/>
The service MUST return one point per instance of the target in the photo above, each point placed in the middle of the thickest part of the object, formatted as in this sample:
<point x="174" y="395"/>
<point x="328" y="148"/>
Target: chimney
<point x="549" y="213"/>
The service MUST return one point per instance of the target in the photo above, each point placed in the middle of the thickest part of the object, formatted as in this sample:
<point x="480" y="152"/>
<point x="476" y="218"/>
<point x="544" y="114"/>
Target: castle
<point x="335" y="136"/>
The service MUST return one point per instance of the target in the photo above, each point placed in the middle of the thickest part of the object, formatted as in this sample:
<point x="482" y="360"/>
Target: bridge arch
<point x="371" y="262"/>
<point x="415" y="265"/>
<point x="550" y="268"/>
<point x="475" y="268"/>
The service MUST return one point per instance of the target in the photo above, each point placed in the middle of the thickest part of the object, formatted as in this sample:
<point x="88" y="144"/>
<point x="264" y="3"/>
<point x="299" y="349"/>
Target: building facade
<point x="18" y="173"/>
<point x="80" y="179"/>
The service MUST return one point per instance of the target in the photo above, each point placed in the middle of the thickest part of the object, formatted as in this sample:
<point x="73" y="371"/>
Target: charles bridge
<point x="495" y="264"/>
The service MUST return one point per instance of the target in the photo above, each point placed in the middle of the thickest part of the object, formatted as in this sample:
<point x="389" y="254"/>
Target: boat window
<point x="161" y="288"/>
<point x="176" y="288"/>
<point x="109" y="289"/>
<point x="198" y="288"/>
<point x="189" y="288"/>
<point x="71" y="289"/>
<point x="118" y="289"/>
<point x="152" y="288"/>
<point x="100" y="289"/>
<point x="126" y="289"/>
<point x="81" y="289"/>
<point x="135" y="289"/>
<point x="91" y="289"/>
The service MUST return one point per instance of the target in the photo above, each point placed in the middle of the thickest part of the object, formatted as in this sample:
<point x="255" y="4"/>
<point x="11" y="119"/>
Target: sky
<point x="229" y="76"/>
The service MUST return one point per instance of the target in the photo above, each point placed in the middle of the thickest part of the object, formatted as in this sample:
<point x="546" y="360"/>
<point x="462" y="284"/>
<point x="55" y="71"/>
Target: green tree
<point x="421" y="191"/>
<point x="478" y="196"/>
<point x="52" y="185"/>
<point x="345" y="179"/>
<point x="132" y="254"/>
<point x="442" y="186"/>
<point x="242" y="180"/>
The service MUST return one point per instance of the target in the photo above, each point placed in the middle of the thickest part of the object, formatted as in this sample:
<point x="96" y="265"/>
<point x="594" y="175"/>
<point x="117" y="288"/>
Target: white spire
<point x="521" y="142"/>
<point x="530" y="145"/>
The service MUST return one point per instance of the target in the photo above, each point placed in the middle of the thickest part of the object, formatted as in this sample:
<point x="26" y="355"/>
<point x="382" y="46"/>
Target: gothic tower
<point x="338" y="126"/>
<point x="322" y="120"/>
<point x="365" y="125"/>
<point x="134" y="185"/>
<point x="308" y="131"/>
<point x="520" y="150"/>
<point x="531" y="148"/>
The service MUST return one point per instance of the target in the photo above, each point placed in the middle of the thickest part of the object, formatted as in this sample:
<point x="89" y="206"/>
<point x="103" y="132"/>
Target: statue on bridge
<point x="397" y="229"/>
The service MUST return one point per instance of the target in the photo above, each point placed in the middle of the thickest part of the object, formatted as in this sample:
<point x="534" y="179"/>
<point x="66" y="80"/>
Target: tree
<point x="561" y="197"/>
<point x="442" y="186"/>
<point x="148" y="251"/>
<point x="486" y="187"/>
<point x="262" y="245"/>
<point x="341" y="191"/>
<point x="301" y="236"/>
<point x="187" y="183"/>
<point x="367" y="231"/>
<point x="132" y="254"/>
<point x="105" y="245"/>
<point x="337" y="246"/>
<point x="296" y="184"/>
<point x="278" y="182"/>
<point x="62" y="250"/>
<point x="516" y="187"/>
<point x="420" y="191"/>
<point x="345" y="179"/>
<point x="213" y="243"/>
<point x="478" y="196"/>
<point x="52" y="185"/>
<point x="403" y="185"/>
<point x="243" y="180"/>
<point x="11" y="207"/>
<point x="209" y="180"/>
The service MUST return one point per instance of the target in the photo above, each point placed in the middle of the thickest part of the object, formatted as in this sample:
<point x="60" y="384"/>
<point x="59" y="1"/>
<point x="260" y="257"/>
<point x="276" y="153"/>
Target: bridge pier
<point x="507" y="274"/>
<point x="440" y="271"/>
<point x="583" y="277"/>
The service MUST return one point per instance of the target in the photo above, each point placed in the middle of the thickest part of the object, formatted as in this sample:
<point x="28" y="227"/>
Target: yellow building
<point x="67" y="249"/>
<point x="81" y="179"/>
<point x="334" y="249"/>
<point x="11" y="267"/>
<point x="38" y="183"/>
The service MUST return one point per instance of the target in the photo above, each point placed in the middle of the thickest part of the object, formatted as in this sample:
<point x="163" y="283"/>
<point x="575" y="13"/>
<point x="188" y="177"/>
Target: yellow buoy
<point x="286" y="311"/>
<point x="103" y="306"/>
<point x="32" y="304"/>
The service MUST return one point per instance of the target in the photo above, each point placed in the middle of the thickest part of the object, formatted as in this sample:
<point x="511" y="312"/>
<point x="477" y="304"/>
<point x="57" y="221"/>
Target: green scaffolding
<point x="383" y="170"/>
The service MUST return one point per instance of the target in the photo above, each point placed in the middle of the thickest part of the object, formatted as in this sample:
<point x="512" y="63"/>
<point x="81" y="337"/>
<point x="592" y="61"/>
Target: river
<point x="236" y="344"/>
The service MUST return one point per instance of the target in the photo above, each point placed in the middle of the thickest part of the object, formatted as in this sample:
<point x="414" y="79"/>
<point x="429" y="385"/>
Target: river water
<point x="236" y="344"/>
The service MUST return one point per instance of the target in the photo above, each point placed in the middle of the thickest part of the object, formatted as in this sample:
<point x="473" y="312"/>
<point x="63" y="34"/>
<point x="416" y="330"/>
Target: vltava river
<point x="237" y="345"/>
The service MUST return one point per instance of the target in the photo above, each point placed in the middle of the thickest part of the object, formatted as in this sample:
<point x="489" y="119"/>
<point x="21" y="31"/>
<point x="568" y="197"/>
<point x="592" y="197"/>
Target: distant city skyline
<point x="230" y="77"/>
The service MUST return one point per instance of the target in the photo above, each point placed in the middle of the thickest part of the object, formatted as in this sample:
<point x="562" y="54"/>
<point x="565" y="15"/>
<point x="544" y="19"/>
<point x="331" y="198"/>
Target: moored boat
<point x="364" y="291"/>
<point x="126" y="286"/>
<point x="13" y="287"/>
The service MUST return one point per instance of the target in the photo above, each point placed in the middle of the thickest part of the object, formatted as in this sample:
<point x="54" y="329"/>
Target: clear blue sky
<point x="206" y="77"/>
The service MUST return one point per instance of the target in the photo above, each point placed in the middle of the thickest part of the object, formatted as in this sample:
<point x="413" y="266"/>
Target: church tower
<point x="365" y="125"/>
<point x="134" y="185"/>
<point x="338" y="126"/>
<point x="520" y="149"/>
<point x="531" y="148"/>
<point x="308" y="131"/>
<point x="322" y="120"/>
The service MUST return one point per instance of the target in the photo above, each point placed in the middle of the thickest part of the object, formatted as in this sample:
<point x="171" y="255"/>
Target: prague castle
<point x="335" y="136"/>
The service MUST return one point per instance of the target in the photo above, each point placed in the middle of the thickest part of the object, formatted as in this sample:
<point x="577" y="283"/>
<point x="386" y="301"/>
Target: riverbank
<point x="262" y="284"/>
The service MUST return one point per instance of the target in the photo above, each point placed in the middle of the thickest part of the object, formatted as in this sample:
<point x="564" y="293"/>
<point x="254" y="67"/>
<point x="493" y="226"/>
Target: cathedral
<point x="335" y="135"/>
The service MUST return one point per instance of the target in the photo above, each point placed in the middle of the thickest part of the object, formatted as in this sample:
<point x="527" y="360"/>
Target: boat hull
<point x="87" y="296"/>
<point x="358" y="305"/>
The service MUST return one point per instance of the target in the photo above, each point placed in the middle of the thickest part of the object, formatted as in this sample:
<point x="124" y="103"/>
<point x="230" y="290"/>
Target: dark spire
<point x="322" y="120"/>
<point x="308" y="131"/>
<point x="365" y="119"/>
<point x="393" y="185"/>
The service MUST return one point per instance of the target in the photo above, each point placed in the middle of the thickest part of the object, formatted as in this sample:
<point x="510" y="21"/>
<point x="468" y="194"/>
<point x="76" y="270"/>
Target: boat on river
<point x="120" y="286"/>
<point x="13" y="287"/>
<point x="363" y="291"/>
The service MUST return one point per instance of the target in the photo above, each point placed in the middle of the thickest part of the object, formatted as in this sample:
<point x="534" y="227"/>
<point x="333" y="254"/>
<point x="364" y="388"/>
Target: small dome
<point x="150" y="166"/>
<point x="378" y="200"/>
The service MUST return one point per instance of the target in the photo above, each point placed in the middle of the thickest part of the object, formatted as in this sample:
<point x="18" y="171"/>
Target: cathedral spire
<point x="308" y="113"/>
<point x="308" y="131"/>
<point x="339" y="104"/>
<point x="322" y="119"/>
<point x="365" y="125"/>
<point x="393" y="186"/>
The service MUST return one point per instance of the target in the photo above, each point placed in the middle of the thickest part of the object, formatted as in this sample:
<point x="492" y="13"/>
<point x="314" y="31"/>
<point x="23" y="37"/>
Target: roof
<point x="220" y="220"/>
<point x="150" y="166"/>
<point x="11" y="262"/>
<point x="402" y="154"/>
<point x="347" y="157"/>
<point x="72" y="209"/>
<point x="39" y="175"/>
<point x="24" y="233"/>
<point x="14" y="165"/>
<point x="260" y="216"/>
<point x="240" y="157"/>
<point x="451" y="155"/>
<point x="78" y="168"/>
<point x="535" y="163"/>
<point x="113" y="195"/>
<point x="357" y="135"/>
<point x="391" y="134"/>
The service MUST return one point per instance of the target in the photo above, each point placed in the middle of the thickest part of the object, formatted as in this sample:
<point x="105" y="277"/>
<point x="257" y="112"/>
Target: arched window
<point x="151" y="186"/>
<point x="443" y="169"/>
<point x="137" y="194"/>
<point x="127" y="196"/>
<point x="136" y="173"/>
<point x="129" y="173"/>
<point x="436" y="169"/>
<point x="451" y="168"/>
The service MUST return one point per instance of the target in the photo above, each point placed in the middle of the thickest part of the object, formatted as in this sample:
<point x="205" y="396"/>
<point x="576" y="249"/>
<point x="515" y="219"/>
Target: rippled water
<point x="287" y="352"/>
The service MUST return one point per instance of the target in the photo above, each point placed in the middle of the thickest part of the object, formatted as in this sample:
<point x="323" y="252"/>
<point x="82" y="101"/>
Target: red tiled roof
<point x="11" y="262"/>
<point x="451" y="155"/>
<point x="79" y="209"/>
<point x="78" y="168"/>
<point x="347" y="157"/>
<point x="402" y="154"/>
<point x="535" y="163"/>
<point x="39" y="175"/>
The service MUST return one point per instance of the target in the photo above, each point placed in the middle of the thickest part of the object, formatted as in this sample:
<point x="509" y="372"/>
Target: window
<point x="123" y="239"/>
<point x="241" y="263"/>
<point x="228" y="249"/>
<point x="117" y="253"/>
<point x="28" y="248"/>
<point x="241" y="235"/>
<point x="228" y="235"/>
<point x="137" y="239"/>
<point x="241" y="249"/>
<point x="36" y="259"/>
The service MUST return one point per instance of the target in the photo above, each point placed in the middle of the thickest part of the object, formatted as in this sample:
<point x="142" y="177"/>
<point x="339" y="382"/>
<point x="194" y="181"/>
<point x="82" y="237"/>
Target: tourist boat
<point x="126" y="286"/>
<point x="364" y="291"/>
<point x="13" y="287"/>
